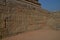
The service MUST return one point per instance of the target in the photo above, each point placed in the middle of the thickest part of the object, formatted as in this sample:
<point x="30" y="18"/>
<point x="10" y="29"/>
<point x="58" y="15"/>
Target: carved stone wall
<point x="21" y="16"/>
<point x="55" y="22"/>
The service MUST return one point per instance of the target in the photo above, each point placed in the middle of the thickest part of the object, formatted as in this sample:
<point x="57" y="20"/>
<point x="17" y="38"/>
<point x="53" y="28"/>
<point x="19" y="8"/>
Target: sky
<point x="50" y="5"/>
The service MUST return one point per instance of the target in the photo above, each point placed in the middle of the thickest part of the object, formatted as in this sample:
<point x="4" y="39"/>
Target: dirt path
<point x="37" y="35"/>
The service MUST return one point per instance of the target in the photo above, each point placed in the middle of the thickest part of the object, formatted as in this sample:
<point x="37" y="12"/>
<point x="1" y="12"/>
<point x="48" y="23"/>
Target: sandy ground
<point x="37" y="35"/>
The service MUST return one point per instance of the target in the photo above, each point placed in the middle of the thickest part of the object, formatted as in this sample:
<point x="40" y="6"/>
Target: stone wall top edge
<point x="24" y="2"/>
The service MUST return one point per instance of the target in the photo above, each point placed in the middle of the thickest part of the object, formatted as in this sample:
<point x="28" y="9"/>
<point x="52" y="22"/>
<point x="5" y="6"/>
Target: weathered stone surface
<point x="56" y="17"/>
<point x="20" y="16"/>
<point x="54" y="21"/>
